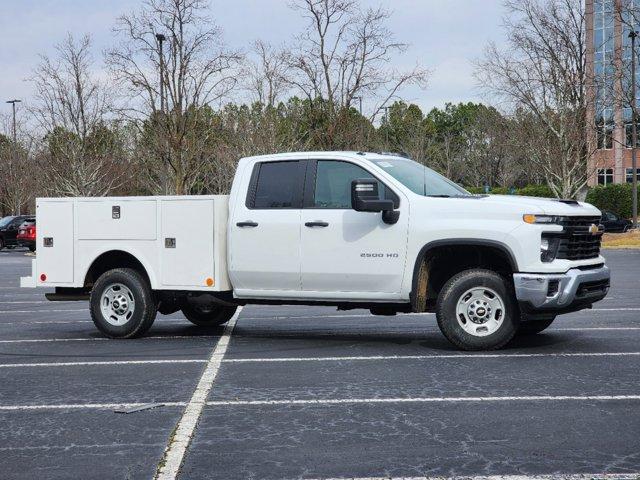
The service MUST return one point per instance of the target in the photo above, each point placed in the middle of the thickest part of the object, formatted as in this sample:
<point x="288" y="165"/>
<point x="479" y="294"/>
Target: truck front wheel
<point x="122" y="303"/>
<point x="476" y="310"/>
<point x="207" y="315"/>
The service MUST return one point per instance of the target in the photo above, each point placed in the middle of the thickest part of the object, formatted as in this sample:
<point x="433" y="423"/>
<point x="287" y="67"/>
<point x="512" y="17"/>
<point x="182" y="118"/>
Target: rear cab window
<point x="276" y="185"/>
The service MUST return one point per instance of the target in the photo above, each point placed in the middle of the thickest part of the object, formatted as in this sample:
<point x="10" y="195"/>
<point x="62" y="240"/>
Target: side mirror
<point x="365" y="198"/>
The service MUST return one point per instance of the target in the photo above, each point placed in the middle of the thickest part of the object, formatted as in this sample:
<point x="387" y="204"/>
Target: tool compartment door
<point x="187" y="242"/>
<point x="54" y="237"/>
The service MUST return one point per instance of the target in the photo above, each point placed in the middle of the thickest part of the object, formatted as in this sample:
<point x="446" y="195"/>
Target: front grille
<point x="576" y="241"/>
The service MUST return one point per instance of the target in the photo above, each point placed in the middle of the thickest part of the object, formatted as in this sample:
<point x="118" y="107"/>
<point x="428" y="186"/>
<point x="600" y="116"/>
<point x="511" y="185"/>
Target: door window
<point x="276" y="185"/>
<point x="333" y="184"/>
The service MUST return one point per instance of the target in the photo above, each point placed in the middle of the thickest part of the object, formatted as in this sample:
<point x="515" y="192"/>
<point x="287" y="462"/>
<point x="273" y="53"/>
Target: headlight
<point x="545" y="219"/>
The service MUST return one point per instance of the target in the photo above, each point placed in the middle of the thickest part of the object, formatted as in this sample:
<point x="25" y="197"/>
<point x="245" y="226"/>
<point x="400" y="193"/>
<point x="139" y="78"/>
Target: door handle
<point x="316" y="224"/>
<point x="248" y="223"/>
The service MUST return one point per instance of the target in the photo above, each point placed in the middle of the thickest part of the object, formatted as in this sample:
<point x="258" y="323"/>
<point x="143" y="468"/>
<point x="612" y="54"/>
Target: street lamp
<point x="359" y="98"/>
<point x="634" y="132"/>
<point x="161" y="38"/>
<point x="13" y="106"/>
<point x="15" y="138"/>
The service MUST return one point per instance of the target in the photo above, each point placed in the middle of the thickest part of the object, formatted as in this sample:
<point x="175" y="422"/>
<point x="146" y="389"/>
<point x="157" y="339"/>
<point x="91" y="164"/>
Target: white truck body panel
<point x="82" y="229"/>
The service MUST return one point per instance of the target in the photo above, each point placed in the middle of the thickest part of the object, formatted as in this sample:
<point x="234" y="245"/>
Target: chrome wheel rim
<point x="480" y="311"/>
<point x="117" y="304"/>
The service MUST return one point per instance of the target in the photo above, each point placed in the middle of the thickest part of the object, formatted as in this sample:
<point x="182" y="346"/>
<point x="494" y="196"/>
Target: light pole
<point x="15" y="138"/>
<point x="360" y="122"/>
<point x="161" y="38"/>
<point x="386" y="120"/>
<point x="634" y="132"/>
<point x="360" y="100"/>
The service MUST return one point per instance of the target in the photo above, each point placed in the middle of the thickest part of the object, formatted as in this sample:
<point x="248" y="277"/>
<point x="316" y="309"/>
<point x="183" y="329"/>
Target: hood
<point x="538" y="205"/>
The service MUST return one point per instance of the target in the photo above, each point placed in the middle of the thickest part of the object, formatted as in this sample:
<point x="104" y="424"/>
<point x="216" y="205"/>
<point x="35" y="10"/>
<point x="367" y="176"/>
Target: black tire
<point x="208" y="316"/>
<point x="144" y="310"/>
<point x="531" y="327"/>
<point x="1" y="243"/>
<point x="454" y="290"/>
<point x="32" y="248"/>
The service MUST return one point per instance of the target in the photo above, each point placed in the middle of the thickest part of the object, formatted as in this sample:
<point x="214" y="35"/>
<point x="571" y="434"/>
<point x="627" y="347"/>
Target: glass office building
<point x="608" y="25"/>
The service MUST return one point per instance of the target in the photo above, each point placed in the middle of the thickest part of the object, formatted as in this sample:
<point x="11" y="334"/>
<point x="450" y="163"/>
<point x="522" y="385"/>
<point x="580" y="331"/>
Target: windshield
<point x="6" y="221"/>
<point x="420" y="179"/>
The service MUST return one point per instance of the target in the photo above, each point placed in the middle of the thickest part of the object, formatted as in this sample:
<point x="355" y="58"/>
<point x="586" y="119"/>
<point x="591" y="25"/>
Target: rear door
<point x="347" y="253"/>
<point x="264" y="238"/>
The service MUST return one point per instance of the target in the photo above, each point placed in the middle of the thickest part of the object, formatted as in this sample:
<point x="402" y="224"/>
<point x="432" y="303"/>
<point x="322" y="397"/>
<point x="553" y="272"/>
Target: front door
<point x="264" y="240"/>
<point x="347" y="253"/>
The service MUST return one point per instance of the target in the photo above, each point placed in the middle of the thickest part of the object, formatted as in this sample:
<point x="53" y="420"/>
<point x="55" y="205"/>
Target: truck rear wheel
<point x="207" y="315"/>
<point x="122" y="304"/>
<point x="476" y="310"/>
<point x="532" y="327"/>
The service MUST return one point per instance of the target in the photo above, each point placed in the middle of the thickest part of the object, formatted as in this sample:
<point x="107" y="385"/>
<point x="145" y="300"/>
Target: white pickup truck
<point x="346" y="229"/>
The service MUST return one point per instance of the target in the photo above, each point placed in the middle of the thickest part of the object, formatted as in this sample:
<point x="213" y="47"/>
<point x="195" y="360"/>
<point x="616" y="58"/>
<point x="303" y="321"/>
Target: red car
<point x="27" y="234"/>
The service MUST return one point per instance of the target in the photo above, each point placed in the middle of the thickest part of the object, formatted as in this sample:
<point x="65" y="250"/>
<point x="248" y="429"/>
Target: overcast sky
<point x="445" y="36"/>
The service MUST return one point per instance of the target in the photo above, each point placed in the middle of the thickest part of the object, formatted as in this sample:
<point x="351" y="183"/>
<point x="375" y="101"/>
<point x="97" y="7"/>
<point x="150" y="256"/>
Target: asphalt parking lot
<point x="313" y="393"/>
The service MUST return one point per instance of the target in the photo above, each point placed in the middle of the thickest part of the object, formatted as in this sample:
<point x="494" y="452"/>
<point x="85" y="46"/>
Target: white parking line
<point x="337" y="401"/>
<point x="430" y="357"/>
<point x="106" y="362"/>
<point x="5" y="312"/>
<point x="102" y="339"/>
<point x="555" y="476"/>
<point x="314" y="359"/>
<point x="98" y="406"/>
<point x="174" y="454"/>
<point x="162" y="321"/>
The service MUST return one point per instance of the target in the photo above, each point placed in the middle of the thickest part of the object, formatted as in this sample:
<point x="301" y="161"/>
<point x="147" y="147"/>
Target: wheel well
<point x="438" y="263"/>
<point x="110" y="260"/>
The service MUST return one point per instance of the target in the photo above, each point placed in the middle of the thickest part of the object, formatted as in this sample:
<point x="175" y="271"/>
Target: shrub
<point x="615" y="197"/>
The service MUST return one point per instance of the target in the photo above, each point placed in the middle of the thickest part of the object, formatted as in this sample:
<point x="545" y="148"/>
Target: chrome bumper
<point x="532" y="289"/>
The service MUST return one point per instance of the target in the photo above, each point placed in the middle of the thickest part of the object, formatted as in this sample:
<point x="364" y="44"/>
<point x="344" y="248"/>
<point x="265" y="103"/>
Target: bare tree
<point x="198" y="70"/>
<point x="543" y="73"/>
<point x="17" y="182"/>
<point x="345" y="53"/>
<point x="266" y="74"/>
<point x="79" y="155"/>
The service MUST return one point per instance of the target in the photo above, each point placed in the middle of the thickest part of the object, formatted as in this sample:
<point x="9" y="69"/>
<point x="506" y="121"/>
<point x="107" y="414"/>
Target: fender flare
<point x="472" y="242"/>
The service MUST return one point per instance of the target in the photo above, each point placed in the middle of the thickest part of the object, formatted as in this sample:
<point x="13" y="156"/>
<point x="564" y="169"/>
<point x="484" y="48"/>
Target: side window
<point x="275" y="185"/>
<point x="333" y="183"/>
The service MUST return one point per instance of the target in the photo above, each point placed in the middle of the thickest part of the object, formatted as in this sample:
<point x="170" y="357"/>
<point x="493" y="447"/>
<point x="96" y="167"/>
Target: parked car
<point x="27" y="234"/>
<point x="614" y="223"/>
<point x="9" y="230"/>
<point x="354" y="230"/>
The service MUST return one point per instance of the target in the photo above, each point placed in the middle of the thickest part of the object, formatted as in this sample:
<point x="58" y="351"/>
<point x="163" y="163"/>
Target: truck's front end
<point x="570" y="274"/>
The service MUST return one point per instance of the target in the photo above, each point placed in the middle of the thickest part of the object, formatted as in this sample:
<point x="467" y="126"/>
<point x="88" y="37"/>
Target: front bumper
<point x="561" y="292"/>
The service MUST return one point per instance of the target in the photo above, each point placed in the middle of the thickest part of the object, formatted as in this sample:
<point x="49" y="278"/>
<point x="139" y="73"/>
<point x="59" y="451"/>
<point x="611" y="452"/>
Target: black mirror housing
<point x="365" y="198"/>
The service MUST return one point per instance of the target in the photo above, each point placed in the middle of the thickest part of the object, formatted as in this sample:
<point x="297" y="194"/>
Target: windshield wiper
<point x="439" y="196"/>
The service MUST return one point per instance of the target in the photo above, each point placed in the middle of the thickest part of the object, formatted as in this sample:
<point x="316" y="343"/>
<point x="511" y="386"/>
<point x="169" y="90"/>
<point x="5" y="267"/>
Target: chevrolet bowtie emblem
<point x="593" y="229"/>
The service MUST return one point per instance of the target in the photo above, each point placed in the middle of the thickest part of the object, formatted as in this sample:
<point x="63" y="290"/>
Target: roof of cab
<point x="324" y="154"/>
